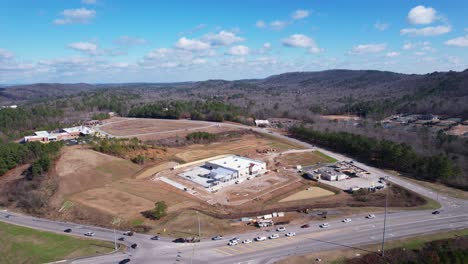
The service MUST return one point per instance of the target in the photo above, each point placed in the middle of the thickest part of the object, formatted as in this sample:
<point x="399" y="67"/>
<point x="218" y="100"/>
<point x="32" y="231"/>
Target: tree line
<point x="38" y="154"/>
<point x="383" y="153"/>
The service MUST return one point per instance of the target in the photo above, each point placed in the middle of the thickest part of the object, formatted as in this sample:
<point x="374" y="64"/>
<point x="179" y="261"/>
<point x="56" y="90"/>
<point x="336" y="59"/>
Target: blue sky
<point x="102" y="41"/>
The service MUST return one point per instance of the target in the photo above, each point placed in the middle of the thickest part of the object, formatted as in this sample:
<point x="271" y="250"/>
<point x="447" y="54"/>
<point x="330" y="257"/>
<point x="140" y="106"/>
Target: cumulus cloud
<point x="392" y="54"/>
<point x="130" y="41"/>
<point x="260" y="24"/>
<point x="75" y="16"/>
<point x="85" y="47"/>
<point x="423" y="45"/>
<point x="421" y="15"/>
<point x="301" y="41"/>
<point x="300" y="14"/>
<point x="426" y="31"/>
<point x="191" y="44"/>
<point x="381" y="26"/>
<point x="239" y="50"/>
<point x="5" y="54"/>
<point x="278" y="24"/>
<point x="368" y="48"/>
<point x="267" y="45"/>
<point x="223" y="38"/>
<point x="458" y="42"/>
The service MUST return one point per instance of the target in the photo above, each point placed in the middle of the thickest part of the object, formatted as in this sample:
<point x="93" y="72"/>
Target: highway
<point x="361" y="231"/>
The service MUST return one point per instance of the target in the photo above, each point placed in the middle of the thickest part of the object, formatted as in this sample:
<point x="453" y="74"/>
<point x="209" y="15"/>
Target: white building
<point x="237" y="166"/>
<point x="259" y="122"/>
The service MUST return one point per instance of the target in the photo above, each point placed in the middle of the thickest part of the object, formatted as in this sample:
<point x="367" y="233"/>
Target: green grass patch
<point x="327" y="158"/>
<point x="138" y="222"/>
<point x="24" y="245"/>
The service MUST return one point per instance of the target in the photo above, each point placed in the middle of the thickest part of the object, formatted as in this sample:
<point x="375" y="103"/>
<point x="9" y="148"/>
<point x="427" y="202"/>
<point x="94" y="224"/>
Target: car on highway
<point x="236" y="239"/>
<point x="305" y="226"/>
<point x="371" y="216"/>
<point x="324" y="225"/>
<point x="233" y="243"/>
<point x="346" y="220"/>
<point x="124" y="261"/>
<point x="121" y="239"/>
<point x="436" y="212"/>
<point x="260" y="238"/>
<point x="281" y="229"/>
<point x="247" y="241"/>
<point x="290" y="234"/>
<point x="68" y="230"/>
<point x="128" y="233"/>
<point x="155" y="238"/>
<point x="217" y="238"/>
<point x="89" y="234"/>
<point x="273" y="236"/>
<point x="134" y="245"/>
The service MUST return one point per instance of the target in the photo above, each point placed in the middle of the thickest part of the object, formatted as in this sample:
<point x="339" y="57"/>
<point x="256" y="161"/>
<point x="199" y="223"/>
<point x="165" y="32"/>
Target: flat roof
<point x="235" y="162"/>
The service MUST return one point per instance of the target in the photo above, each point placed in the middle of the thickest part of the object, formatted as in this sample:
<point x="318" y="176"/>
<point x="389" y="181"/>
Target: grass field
<point x="305" y="158"/>
<point x="309" y="193"/>
<point x="25" y="245"/>
<point x="133" y="127"/>
<point x="338" y="256"/>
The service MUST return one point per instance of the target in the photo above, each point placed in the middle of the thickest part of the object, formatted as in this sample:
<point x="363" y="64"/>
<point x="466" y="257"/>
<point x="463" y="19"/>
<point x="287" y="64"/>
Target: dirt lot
<point x="309" y="193"/>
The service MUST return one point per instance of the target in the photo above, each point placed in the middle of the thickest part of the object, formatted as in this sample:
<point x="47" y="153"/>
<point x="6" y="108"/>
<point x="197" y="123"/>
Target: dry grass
<point x="130" y="127"/>
<point x="302" y="158"/>
<point x="309" y="193"/>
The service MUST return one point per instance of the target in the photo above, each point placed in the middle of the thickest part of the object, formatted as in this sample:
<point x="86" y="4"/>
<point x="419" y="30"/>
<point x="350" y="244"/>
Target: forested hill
<point x="362" y="92"/>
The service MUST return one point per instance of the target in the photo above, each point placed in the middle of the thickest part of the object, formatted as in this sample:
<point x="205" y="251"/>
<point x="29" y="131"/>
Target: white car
<point x="247" y="241"/>
<point x="274" y="236"/>
<point x="324" y="225"/>
<point x="89" y="234"/>
<point x="234" y="239"/>
<point x="281" y="229"/>
<point x="290" y="234"/>
<point x="260" y="238"/>
<point x="346" y="220"/>
<point x="232" y="243"/>
<point x="371" y="216"/>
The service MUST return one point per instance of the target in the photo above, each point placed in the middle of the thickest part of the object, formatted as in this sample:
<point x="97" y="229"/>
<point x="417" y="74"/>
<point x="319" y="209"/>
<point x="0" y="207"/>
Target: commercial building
<point x="63" y="134"/>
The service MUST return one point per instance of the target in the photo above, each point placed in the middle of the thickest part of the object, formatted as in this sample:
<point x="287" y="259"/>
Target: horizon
<point x="104" y="42"/>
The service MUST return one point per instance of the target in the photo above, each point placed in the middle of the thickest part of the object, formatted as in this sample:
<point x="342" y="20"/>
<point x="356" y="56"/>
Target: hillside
<point x="296" y="94"/>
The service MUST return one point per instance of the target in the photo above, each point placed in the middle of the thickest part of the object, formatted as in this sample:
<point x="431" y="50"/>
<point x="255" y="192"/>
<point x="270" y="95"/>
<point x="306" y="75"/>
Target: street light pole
<point x="385" y="223"/>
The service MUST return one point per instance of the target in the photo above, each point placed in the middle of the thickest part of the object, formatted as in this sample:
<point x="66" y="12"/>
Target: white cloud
<point x="76" y="16"/>
<point x="239" y="50"/>
<point x="5" y="54"/>
<point x="267" y="45"/>
<point x="260" y="24"/>
<point x="423" y="45"/>
<point x="89" y="2"/>
<point x="368" y="48"/>
<point x="381" y="26"/>
<point x="392" y="54"/>
<point x="223" y="38"/>
<point x="298" y="41"/>
<point x="421" y="15"/>
<point x="426" y="31"/>
<point x="198" y="61"/>
<point x="86" y="47"/>
<point x="130" y="41"/>
<point x="191" y="44"/>
<point x="159" y="53"/>
<point x="300" y="14"/>
<point x="278" y="24"/>
<point x="458" y="42"/>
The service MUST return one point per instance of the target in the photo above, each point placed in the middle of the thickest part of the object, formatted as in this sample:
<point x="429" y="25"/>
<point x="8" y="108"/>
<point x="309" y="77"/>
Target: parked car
<point x="134" y="245"/>
<point x="155" y="238"/>
<point x="68" y="230"/>
<point x="217" y="238"/>
<point x="324" y="225"/>
<point x="274" y="236"/>
<point x="128" y="233"/>
<point x="346" y="220"/>
<point x="290" y="234"/>
<point x="371" y="216"/>
<point x="89" y="234"/>
<point x="260" y="238"/>
<point x="233" y="243"/>
<point x="121" y="239"/>
<point x="436" y="212"/>
<point x="247" y="241"/>
<point x="281" y="229"/>
<point x="124" y="261"/>
<point x="305" y="226"/>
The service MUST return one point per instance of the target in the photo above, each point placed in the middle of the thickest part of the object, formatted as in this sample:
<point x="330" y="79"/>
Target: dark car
<point x="121" y="239"/>
<point x="217" y="238"/>
<point x="155" y="238"/>
<point x="305" y="226"/>
<point x="134" y="246"/>
<point x="68" y="230"/>
<point x="123" y="261"/>
<point x="436" y="212"/>
<point x="179" y="240"/>
<point x="128" y="233"/>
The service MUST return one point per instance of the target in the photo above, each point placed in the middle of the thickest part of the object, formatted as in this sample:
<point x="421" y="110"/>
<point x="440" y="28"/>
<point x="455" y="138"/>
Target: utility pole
<point x="385" y="222"/>
<point x="199" y="227"/>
